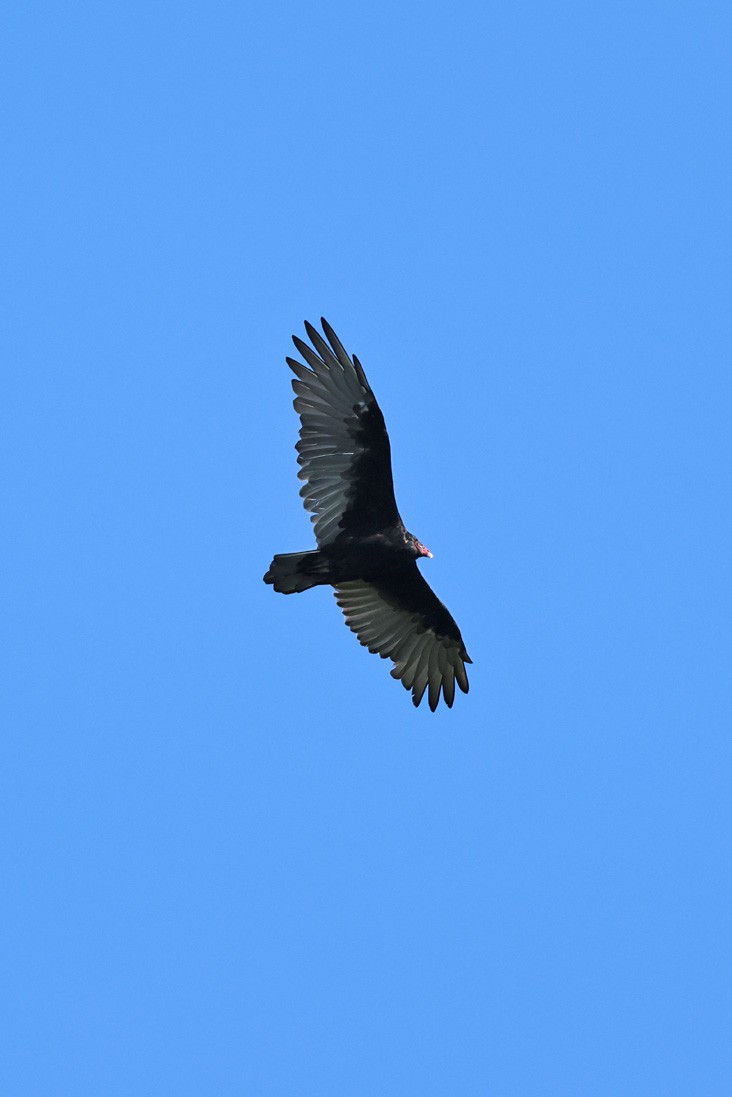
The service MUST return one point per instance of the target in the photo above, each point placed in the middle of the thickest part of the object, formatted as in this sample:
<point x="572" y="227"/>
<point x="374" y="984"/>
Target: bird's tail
<point x="292" y="572"/>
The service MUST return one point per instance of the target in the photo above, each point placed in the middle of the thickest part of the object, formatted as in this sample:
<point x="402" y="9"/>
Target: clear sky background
<point x="235" y="859"/>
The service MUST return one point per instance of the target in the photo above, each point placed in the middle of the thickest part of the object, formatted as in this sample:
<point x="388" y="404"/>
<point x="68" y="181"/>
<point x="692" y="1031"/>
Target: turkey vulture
<point x="364" y="551"/>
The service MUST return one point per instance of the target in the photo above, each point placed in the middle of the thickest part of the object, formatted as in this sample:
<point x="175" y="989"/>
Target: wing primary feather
<point x="322" y="347"/>
<point x="448" y="684"/>
<point x="302" y="371"/>
<point x="462" y="678"/>
<point x="435" y="677"/>
<point x="360" y="373"/>
<point x="309" y="355"/>
<point x="418" y="676"/>
<point x="336" y="344"/>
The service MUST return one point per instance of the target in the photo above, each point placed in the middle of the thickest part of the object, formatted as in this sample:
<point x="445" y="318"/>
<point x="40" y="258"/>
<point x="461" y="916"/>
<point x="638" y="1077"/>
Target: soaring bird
<point x="364" y="550"/>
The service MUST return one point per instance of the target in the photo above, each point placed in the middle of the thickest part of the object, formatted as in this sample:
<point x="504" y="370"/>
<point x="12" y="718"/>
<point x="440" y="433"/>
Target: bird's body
<point x="364" y="549"/>
<point x="365" y="558"/>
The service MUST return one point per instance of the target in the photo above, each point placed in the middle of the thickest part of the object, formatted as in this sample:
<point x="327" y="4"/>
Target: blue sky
<point x="236" y="860"/>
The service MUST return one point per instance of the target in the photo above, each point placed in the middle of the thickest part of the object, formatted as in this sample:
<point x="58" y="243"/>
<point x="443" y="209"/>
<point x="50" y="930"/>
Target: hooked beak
<point x="423" y="551"/>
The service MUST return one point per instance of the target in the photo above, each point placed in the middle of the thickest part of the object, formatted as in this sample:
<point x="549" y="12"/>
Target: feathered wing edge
<point x="342" y="436"/>
<point x="426" y="657"/>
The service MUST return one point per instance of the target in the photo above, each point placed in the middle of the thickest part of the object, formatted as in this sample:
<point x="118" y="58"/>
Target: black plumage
<point x="364" y="550"/>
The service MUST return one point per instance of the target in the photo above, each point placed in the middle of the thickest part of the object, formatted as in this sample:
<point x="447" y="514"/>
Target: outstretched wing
<point x="344" y="448"/>
<point x="401" y="618"/>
